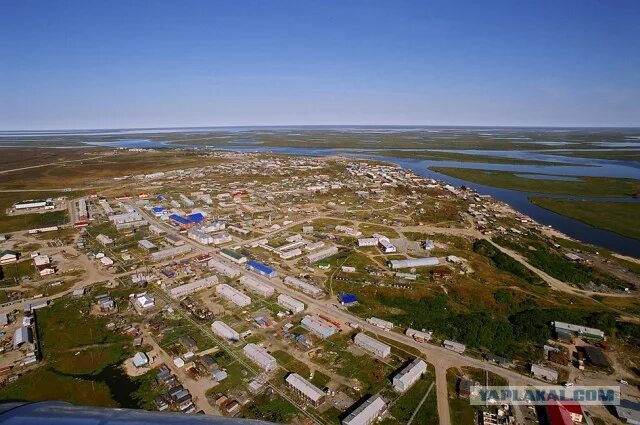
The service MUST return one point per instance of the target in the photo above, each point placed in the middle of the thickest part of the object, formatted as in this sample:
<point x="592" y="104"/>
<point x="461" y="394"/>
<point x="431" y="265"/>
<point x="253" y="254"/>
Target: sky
<point x="136" y="64"/>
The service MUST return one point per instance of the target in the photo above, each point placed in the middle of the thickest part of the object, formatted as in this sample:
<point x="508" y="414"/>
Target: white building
<point x="544" y="373"/>
<point x="454" y="346"/>
<point x="290" y="303"/>
<point x="223" y="268"/>
<point x="225" y="331"/>
<point x="104" y="239"/>
<point x="317" y="326"/>
<point x="413" y="262"/>
<point x="257" y="286"/>
<point x="313" y="246"/>
<point x="233" y="295"/>
<point x="148" y="245"/>
<point x="128" y="220"/>
<point x="322" y="254"/>
<point x="386" y="246"/>
<point x="170" y="252"/>
<point x="303" y="286"/>
<point x="260" y="356"/>
<point x="367" y="413"/>
<point x="419" y="336"/>
<point x="145" y="301"/>
<point x="348" y="230"/>
<point x="382" y="324"/>
<point x="371" y="345"/>
<point x="580" y="330"/>
<point x="409" y="375"/>
<point x="190" y="288"/>
<point x="200" y="236"/>
<point x="287" y="255"/>
<point x="306" y="389"/>
<point x="367" y="242"/>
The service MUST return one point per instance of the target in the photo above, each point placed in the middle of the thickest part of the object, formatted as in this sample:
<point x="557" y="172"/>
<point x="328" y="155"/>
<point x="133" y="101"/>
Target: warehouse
<point x="232" y="294"/>
<point x="382" y="324"/>
<point x="32" y="203"/>
<point x="149" y="246"/>
<point x="260" y="356"/>
<point x="287" y="255"/>
<point x="317" y="326"/>
<point x="257" y="286"/>
<point x="409" y="375"/>
<point x="386" y="246"/>
<point x="582" y="331"/>
<point x="170" y="252"/>
<point x="303" y="286"/>
<point x="260" y="268"/>
<point x="313" y="246"/>
<point x="314" y="257"/>
<point x="189" y="288"/>
<point x="420" y="336"/>
<point x="413" y="262"/>
<point x="367" y="242"/>
<point x="306" y="389"/>
<point x="291" y="304"/>
<point x="596" y="356"/>
<point x="454" y="346"/>
<point x="21" y="336"/>
<point x="220" y="267"/>
<point x="367" y="413"/>
<point x="371" y="345"/>
<point x="232" y="255"/>
<point x="225" y="331"/>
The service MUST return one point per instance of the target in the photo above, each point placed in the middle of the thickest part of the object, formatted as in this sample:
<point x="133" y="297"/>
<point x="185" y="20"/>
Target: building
<point x="170" y="252"/>
<point x="628" y="411"/>
<point x="260" y="268"/>
<point x="148" y="245"/>
<point x="563" y="413"/>
<point x="190" y="288"/>
<point x="318" y="326"/>
<point x="420" y="336"/>
<point x="200" y="236"/>
<point x="303" y="286"/>
<point x="104" y="239"/>
<point x="596" y="356"/>
<point x="372" y="345"/>
<point x="292" y="253"/>
<point x="544" y="373"/>
<point x="367" y="413"/>
<point x="145" y="301"/>
<point x="409" y="375"/>
<point x="347" y="299"/>
<point x="582" y="331"/>
<point x="314" y="257"/>
<point x="290" y="303"/>
<point x="232" y="255"/>
<point x="413" y="262"/>
<point x="367" y="242"/>
<point x="223" y="268"/>
<point x="233" y="295"/>
<point x="257" y="286"/>
<point x="8" y="256"/>
<point x="22" y="335"/>
<point x="386" y="246"/>
<point x="305" y="389"/>
<point x="128" y="220"/>
<point x="225" y="331"/>
<point x="454" y="346"/>
<point x="140" y="359"/>
<point x="260" y="356"/>
<point x="30" y="204"/>
<point x="382" y="324"/>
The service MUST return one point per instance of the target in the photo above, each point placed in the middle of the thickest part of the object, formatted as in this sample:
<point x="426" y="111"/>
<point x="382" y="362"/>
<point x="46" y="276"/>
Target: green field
<point x="587" y="186"/>
<point x="618" y="217"/>
<point x="81" y="360"/>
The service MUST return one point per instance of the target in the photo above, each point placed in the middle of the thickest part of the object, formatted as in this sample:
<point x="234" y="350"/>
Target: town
<point x="289" y="289"/>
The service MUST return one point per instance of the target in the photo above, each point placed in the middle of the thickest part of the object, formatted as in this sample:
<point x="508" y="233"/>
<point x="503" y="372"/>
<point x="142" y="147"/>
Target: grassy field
<point x="404" y="407"/>
<point x="587" y="186"/>
<point x="617" y="217"/>
<point x="80" y="360"/>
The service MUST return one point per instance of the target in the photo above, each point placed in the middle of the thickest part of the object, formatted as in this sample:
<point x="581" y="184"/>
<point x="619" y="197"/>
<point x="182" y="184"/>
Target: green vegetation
<point x="81" y="359"/>
<point x="587" y="186"/>
<point x="406" y="404"/>
<point x="271" y="408"/>
<point x="617" y="217"/>
<point x="291" y="364"/>
<point x="505" y="262"/>
<point x="546" y="259"/>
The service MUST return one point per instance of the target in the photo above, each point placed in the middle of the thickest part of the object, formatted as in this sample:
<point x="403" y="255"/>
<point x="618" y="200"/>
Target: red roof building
<point x="563" y="413"/>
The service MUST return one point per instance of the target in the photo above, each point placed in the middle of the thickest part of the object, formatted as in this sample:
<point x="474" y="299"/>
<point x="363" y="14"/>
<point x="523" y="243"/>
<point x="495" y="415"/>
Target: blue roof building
<point x="196" y="217"/>
<point x="180" y="220"/>
<point x="261" y="269"/>
<point x="347" y="299"/>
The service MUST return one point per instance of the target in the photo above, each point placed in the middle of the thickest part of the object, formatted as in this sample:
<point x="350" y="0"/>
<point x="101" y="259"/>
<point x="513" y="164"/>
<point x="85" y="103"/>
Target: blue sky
<point x="106" y="64"/>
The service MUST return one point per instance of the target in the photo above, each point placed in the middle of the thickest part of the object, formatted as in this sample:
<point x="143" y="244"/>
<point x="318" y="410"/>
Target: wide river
<point x="517" y="199"/>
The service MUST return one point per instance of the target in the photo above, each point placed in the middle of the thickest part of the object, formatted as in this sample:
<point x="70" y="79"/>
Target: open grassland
<point x="80" y="360"/>
<point x="618" y="217"/>
<point x="12" y="223"/>
<point x="405" y="406"/>
<point x="587" y="186"/>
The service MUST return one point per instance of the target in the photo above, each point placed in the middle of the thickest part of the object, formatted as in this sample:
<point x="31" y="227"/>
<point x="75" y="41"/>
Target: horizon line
<point x="212" y="127"/>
